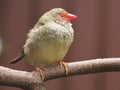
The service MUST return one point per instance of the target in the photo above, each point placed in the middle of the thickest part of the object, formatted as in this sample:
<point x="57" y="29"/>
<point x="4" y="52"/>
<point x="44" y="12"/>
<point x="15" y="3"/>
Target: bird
<point x="49" y="40"/>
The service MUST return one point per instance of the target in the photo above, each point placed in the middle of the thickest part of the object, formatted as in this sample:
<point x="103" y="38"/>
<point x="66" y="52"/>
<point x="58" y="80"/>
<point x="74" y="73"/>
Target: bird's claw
<point x="65" y="66"/>
<point x="39" y="69"/>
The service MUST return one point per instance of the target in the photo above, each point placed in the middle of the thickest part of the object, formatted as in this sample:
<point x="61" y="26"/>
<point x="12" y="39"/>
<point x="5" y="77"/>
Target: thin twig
<point x="33" y="81"/>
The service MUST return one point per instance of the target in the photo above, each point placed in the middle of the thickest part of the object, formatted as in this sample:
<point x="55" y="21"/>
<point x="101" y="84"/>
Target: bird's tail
<point x="17" y="58"/>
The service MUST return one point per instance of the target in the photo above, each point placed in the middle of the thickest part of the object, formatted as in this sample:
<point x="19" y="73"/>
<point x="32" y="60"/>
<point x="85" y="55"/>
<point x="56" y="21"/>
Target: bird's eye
<point x="62" y="16"/>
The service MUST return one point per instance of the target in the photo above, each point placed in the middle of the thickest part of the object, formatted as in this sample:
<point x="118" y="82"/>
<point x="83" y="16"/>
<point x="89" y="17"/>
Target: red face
<point x="68" y="16"/>
<point x="65" y="16"/>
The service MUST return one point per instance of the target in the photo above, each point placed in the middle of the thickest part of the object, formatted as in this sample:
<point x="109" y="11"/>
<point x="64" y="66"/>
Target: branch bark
<point x="33" y="81"/>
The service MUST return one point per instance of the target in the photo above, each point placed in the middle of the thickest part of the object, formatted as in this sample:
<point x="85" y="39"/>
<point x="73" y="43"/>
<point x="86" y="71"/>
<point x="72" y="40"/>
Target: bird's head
<point x="58" y="15"/>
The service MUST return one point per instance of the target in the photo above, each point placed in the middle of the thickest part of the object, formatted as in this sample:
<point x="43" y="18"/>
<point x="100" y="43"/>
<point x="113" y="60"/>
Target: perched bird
<point x="49" y="40"/>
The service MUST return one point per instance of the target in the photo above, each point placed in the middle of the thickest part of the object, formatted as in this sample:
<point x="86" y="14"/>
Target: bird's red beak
<point x="69" y="16"/>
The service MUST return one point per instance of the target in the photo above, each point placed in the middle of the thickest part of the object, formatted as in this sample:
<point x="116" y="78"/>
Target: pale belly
<point x="48" y="44"/>
<point x="45" y="53"/>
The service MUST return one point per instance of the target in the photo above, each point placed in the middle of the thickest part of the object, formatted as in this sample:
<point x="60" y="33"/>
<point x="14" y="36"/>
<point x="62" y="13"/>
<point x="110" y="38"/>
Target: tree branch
<point x="33" y="81"/>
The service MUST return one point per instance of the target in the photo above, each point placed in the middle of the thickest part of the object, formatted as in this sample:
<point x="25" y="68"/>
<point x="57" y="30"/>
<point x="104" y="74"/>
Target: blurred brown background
<point x="97" y="33"/>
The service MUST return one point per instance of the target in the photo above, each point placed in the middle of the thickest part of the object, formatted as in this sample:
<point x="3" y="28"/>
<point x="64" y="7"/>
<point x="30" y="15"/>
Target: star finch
<point x="49" y="40"/>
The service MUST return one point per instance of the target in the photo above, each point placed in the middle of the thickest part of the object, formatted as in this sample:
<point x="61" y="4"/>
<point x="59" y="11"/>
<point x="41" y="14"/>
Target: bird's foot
<point x="65" y="64"/>
<point x="39" y="69"/>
